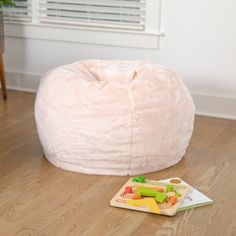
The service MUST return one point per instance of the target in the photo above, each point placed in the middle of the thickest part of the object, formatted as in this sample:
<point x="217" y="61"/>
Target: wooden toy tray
<point x="150" y="196"/>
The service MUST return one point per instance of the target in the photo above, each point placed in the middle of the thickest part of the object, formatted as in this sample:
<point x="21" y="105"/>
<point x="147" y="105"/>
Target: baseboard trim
<point x="215" y="105"/>
<point x="211" y="105"/>
<point x="27" y="82"/>
<point x="215" y="115"/>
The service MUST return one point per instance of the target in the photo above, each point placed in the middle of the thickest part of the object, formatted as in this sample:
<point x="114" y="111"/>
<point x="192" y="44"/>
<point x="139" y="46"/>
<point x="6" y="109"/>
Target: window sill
<point x="146" y="40"/>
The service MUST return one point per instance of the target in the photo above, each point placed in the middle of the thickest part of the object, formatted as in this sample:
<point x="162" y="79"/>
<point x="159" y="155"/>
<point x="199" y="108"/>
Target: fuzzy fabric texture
<point x="113" y="117"/>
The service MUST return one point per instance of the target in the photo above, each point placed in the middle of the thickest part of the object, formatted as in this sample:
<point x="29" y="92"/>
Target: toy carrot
<point x="136" y="197"/>
<point x="171" y="200"/>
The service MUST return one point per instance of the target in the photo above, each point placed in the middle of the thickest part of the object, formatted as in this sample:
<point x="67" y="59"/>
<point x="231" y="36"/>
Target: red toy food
<point x="128" y="189"/>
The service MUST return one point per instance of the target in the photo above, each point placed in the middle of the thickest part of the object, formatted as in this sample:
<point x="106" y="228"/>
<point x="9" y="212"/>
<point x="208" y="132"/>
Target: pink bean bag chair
<point x="113" y="117"/>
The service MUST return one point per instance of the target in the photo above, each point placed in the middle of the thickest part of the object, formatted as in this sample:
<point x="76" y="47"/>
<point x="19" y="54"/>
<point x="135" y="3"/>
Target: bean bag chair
<point x="113" y="117"/>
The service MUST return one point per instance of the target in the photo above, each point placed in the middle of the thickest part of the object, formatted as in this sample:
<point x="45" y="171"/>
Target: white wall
<point x="199" y="43"/>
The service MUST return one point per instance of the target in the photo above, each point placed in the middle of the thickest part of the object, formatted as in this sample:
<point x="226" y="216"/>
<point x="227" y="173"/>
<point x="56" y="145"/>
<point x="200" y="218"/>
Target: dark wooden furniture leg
<point x="2" y="77"/>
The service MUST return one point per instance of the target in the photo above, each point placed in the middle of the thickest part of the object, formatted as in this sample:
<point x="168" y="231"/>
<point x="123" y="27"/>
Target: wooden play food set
<point x="150" y="196"/>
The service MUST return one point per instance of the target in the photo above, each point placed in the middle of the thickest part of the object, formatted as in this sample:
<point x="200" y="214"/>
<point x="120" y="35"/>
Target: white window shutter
<point x="116" y="14"/>
<point x="21" y="11"/>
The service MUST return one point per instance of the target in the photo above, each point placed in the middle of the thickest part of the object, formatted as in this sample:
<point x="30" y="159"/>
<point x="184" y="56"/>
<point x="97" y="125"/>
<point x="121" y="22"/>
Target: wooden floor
<point x="37" y="198"/>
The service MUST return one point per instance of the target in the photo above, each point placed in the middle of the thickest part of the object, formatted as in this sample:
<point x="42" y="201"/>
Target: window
<point x="131" y="23"/>
<point x="117" y="14"/>
<point x="21" y="11"/>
